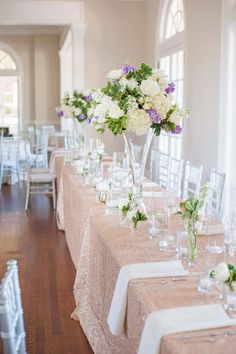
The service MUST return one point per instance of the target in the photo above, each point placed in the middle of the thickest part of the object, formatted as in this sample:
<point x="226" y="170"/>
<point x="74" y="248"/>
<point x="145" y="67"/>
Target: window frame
<point x="167" y="47"/>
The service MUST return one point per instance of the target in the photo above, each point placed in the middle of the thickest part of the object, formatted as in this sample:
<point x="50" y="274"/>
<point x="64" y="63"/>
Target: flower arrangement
<point x="224" y="273"/>
<point x="136" y="99"/>
<point x="76" y="105"/>
<point x="191" y="209"/>
<point x="130" y="209"/>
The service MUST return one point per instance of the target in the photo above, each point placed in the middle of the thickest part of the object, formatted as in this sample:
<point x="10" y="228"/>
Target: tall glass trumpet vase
<point x="138" y="158"/>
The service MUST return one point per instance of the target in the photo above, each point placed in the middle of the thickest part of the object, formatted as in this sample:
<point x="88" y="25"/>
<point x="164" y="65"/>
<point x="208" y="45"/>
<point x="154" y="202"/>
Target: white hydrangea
<point x="138" y="121"/>
<point x="77" y="111"/>
<point x="162" y="104"/>
<point x="149" y="87"/>
<point x="115" y="74"/>
<point x="132" y="103"/>
<point x="115" y="112"/>
<point x="123" y="82"/>
<point x="175" y="117"/>
<point x="86" y="92"/>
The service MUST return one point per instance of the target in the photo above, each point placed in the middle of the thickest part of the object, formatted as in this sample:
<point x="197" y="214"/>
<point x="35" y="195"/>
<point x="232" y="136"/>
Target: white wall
<point x="39" y="79"/>
<point x="203" y="35"/>
<point x="115" y="33"/>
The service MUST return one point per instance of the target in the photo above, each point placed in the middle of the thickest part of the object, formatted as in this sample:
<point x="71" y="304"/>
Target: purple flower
<point x="89" y="119"/>
<point x="178" y="129"/>
<point x="81" y="116"/>
<point x="154" y="115"/>
<point x="170" y="88"/>
<point x="126" y="68"/>
<point x="60" y="114"/>
<point x="88" y="98"/>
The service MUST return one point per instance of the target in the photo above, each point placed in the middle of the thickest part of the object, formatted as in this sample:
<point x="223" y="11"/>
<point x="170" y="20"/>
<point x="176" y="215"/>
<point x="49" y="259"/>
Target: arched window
<point x="170" y="58"/>
<point x="9" y="110"/>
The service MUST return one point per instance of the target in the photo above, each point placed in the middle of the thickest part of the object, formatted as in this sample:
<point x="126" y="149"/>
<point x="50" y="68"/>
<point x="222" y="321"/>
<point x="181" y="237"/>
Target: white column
<point x="78" y="32"/>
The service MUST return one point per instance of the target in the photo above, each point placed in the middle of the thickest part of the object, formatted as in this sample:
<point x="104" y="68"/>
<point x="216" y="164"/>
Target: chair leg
<point x="27" y="195"/>
<point x="54" y="194"/>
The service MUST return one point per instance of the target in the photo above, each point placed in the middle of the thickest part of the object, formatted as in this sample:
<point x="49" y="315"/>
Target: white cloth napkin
<point x="182" y="319"/>
<point x="117" y="311"/>
<point x="148" y="194"/>
<point x="217" y="229"/>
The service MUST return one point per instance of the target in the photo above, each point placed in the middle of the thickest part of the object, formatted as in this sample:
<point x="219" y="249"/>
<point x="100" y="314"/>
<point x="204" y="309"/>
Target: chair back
<point x="216" y="189"/>
<point x="11" y="314"/>
<point x="192" y="180"/>
<point x="159" y="167"/>
<point x="175" y="176"/>
<point x="48" y="129"/>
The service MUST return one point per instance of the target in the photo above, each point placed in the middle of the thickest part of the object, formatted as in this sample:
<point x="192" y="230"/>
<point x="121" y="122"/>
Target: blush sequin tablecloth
<point x="99" y="247"/>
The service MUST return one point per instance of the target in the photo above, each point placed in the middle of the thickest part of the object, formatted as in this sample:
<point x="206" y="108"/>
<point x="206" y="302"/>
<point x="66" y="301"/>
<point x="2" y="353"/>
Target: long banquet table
<point x="99" y="247"/>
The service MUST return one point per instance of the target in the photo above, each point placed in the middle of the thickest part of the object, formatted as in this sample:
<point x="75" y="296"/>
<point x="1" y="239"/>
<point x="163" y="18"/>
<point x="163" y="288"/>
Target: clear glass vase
<point x="192" y="242"/>
<point x="79" y="131"/>
<point x="229" y="297"/>
<point x="138" y="158"/>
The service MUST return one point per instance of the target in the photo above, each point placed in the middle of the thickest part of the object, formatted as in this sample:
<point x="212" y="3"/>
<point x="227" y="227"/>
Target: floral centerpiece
<point x="138" y="101"/>
<point x="75" y="105"/>
<point x="225" y="274"/>
<point x="191" y="209"/>
<point x="130" y="209"/>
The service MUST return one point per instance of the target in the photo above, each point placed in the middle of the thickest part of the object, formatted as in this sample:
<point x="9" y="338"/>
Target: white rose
<point x="149" y="87"/>
<point x="100" y="110"/>
<point x="115" y="74"/>
<point x="115" y="111"/>
<point x="222" y="272"/>
<point x="175" y="117"/>
<point x="132" y="84"/>
<point x="77" y="111"/>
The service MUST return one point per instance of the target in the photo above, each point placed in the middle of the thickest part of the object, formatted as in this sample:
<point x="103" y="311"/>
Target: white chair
<point x="9" y="159"/>
<point x="192" y="180"/>
<point x="11" y="314"/>
<point x="70" y="142"/>
<point x="41" y="181"/>
<point x="175" y="176"/>
<point x="48" y="129"/>
<point x="159" y="167"/>
<point x="216" y="189"/>
<point x="39" y="153"/>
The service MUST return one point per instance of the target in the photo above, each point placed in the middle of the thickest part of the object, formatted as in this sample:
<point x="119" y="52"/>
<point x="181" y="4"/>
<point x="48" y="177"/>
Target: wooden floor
<point x="46" y="273"/>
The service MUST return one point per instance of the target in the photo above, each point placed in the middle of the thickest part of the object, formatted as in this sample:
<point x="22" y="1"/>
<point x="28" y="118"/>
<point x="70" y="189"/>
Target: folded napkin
<point x="217" y="229"/>
<point x="182" y="319"/>
<point x="117" y="311"/>
<point x="149" y="194"/>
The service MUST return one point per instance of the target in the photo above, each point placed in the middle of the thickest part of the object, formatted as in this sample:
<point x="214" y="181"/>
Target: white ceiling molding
<point x="37" y="12"/>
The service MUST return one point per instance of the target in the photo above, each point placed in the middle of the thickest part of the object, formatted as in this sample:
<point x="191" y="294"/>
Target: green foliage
<point x="127" y="207"/>
<point x="139" y="216"/>
<point x="189" y="209"/>
<point x="116" y="125"/>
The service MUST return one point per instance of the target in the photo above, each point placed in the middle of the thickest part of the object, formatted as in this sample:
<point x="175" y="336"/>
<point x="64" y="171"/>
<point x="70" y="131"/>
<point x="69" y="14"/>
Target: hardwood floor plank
<point x="46" y="273"/>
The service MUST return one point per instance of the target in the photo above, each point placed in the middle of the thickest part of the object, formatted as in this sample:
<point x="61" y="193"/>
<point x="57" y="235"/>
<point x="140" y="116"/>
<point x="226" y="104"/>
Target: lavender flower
<point x="170" y="88"/>
<point x="177" y="130"/>
<point x="89" y="119"/>
<point x="88" y="98"/>
<point x="154" y="115"/>
<point x="60" y="114"/>
<point x="81" y="116"/>
<point x="126" y="68"/>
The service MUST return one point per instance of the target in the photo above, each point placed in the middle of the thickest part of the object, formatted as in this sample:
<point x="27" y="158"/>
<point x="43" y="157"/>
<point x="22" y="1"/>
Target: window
<point x="9" y="116"/>
<point x="170" y="58"/>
